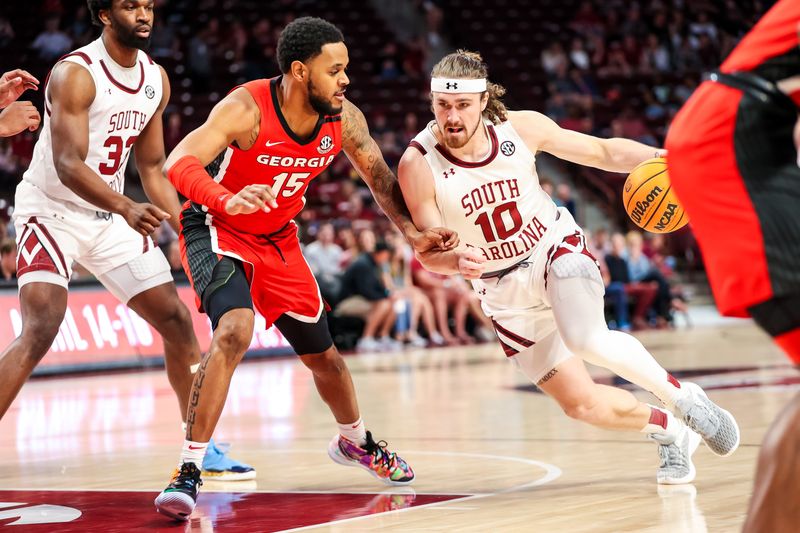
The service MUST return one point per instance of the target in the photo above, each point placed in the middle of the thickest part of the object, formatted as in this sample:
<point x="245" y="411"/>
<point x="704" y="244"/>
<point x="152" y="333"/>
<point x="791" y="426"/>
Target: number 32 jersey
<point x="278" y="158"/>
<point x="496" y="205"/>
<point x="125" y="101"/>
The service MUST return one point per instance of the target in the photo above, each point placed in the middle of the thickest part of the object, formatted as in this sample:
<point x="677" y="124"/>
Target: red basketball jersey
<point x="278" y="158"/>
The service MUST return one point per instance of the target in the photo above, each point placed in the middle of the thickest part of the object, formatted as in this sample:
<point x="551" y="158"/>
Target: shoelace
<point x="671" y="455"/>
<point x="187" y="478"/>
<point x="378" y="449"/>
<point x="705" y="417"/>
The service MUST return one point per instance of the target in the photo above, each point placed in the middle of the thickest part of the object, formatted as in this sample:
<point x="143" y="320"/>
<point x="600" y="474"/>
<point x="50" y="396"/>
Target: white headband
<point x="454" y="86"/>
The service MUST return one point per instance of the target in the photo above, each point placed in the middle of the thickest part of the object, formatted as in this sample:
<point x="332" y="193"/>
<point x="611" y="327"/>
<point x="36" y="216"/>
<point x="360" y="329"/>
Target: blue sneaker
<point x="218" y="466"/>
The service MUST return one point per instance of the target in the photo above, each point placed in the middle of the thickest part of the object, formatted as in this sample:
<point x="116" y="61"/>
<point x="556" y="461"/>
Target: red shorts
<point x="732" y="164"/>
<point x="281" y="282"/>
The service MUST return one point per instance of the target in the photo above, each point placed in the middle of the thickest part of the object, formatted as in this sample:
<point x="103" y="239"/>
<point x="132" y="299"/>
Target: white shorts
<point x="519" y="307"/>
<point x="51" y="235"/>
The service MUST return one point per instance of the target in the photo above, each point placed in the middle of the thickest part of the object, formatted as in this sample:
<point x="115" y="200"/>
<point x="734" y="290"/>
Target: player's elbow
<point x="66" y="169"/>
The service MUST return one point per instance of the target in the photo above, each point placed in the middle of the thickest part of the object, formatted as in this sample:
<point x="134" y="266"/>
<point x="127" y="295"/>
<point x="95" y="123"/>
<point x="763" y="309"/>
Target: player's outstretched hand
<point x="440" y="238"/>
<point x="14" y="83"/>
<point x="18" y="117"/>
<point x="250" y="199"/>
<point x="471" y="263"/>
<point x="144" y="218"/>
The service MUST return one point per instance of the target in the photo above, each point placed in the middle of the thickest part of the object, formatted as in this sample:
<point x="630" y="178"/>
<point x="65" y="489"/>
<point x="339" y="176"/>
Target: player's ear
<point x="484" y="101"/>
<point x="104" y="16"/>
<point x="298" y="71"/>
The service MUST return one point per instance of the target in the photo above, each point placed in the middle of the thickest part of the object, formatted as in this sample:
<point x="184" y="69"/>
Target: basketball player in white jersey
<point x="100" y="101"/>
<point x="472" y="170"/>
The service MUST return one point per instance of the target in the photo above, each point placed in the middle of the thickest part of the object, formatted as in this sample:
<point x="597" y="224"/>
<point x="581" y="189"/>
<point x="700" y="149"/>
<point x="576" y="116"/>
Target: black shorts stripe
<point x="200" y="256"/>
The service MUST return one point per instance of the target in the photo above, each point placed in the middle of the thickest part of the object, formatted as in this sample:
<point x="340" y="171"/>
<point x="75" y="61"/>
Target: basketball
<point x="649" y="199"/>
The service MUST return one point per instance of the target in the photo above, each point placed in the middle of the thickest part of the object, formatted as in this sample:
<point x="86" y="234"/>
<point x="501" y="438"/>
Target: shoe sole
<point x="210" y="475"/>
<point x="694" y="443"/>
<point x="338" y="458"/>
<point x="699" y="390"/>
<point x="175" y="505"/>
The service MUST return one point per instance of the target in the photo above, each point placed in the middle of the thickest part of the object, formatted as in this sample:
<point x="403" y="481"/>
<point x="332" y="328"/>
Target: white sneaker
<point x="388" y="344"/>
<point x="368" y="344"/>
<point x="715" y="425"/>
<point x="676" y="465"/>
<point x="436" y="339"/>
<point x="417" y="342"/>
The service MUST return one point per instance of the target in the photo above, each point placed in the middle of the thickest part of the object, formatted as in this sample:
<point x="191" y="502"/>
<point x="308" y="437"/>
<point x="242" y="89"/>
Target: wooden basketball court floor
<point x="490" y="453"/>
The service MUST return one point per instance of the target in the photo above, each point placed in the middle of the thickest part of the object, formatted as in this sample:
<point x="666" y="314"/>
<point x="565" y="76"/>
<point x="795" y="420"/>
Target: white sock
<point x="354" y="432"/>
<point x="663" y="423"/>
<point x="578" y="310"/>
<point x="193" y="452"/>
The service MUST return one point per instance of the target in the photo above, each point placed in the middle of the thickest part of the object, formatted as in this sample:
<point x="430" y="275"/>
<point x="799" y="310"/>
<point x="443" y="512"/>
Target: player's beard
<point x="449" y="141"/>
<point x="127" y="36"/>
<point x="319" y="103"/>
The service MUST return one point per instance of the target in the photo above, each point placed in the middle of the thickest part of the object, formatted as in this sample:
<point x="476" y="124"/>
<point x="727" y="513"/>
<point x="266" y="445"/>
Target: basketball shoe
<point x="178" y="499"/>
<point x="218" y="466"/>
<point x="676" y="457"/>
<point x="716" y="425"/>
<point x="372" y="457"/>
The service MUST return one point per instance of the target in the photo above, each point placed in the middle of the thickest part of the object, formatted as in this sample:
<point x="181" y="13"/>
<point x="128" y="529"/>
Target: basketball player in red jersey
<point x="734" y="165"/>
<point x="473" y="168"/>
<point x="267" y="139"/>
<point x="100" y="101"/>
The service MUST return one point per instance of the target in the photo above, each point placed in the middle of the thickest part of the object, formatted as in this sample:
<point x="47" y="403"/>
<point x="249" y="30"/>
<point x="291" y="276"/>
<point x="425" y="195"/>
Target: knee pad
<point x="142" y="273"/>
<point x="149" y="264"/>
<point x="228" y="289"/>
<point x="573" y="273"/>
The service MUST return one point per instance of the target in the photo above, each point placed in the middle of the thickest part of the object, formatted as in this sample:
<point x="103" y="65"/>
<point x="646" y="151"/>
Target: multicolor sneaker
<point x="716" y="425"/>
<point x="217" y="466"/>
<point x="373" y="457"/>
<point x="178" y="499"/>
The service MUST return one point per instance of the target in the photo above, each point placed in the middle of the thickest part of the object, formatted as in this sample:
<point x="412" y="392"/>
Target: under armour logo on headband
<point x="458" y="85"/>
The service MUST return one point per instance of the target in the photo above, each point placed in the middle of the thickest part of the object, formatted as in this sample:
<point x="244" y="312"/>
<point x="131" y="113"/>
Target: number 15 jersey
<point x="125" y="101"/>
<point x="496" y="205"/>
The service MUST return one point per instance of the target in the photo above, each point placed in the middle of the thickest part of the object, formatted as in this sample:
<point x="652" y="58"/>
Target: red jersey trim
<point x="418" y="146"/>
<point x="128" y="90"/>
<point x="47" y="79"/>
<point x="470" y="164"/>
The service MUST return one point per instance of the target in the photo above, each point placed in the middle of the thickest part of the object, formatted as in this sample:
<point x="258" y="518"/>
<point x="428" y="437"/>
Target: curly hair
<point x="94" y="8"/>
<point x="303" y="39"/>
<point x="463" y="64"/>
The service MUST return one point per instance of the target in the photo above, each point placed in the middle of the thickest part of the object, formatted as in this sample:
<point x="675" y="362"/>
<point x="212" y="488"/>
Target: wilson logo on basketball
<point x="641" y="206"/>
<point x="666" y="217"/>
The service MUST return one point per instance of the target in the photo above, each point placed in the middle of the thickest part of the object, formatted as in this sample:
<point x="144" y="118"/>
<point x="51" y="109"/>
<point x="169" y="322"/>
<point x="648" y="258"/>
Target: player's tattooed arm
<point x="365" y="155"/>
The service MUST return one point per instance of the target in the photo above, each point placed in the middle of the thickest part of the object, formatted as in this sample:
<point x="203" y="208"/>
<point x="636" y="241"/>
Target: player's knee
<point x="232" y="339"/>
<point x="582" y="409"/>
<point x="328" y="362"/>
<point x="38" y="335"/>
<point x="176" y="322"/>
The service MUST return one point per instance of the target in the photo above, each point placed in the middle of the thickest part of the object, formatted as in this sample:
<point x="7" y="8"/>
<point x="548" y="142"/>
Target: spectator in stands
<point x="578" y="54"/>
<point x="52" y="43"/>
<point x="547" y="186"/>
<point x="641" y="270"/>
<point x="655" y="56"/>
<point x="416" y="302"/>
<point x="365" y="296"/>
<point x="346" y="239"/>
<point x="564" y="199"/>
<point x="324" y="257"/>
<point x="554" y="58"/>
<point x="451" y="294"/>
<point x="642" y="294"/>
<point x="8" y="259"/>
<point x="6" y="32"/>
<point x="601" y="242"/>
<point x="388" y="64"/>
<point x="410" y="128"/>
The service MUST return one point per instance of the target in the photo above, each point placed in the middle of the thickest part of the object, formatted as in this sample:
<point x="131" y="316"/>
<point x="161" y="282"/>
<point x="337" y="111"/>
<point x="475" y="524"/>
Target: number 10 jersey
<point x="125" y="101"/>
<point x="496" y="205"/>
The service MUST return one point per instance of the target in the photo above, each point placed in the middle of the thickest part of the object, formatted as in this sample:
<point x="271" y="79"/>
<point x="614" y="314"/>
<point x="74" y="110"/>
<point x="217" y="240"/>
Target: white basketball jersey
<point x="125" y="100"/>
<point x="495" y="205"/>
